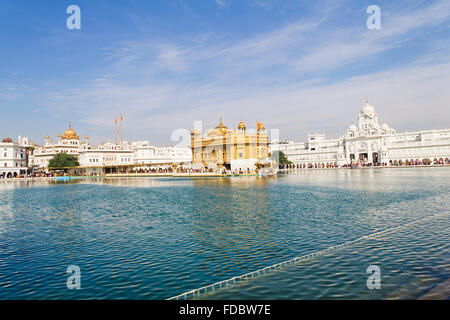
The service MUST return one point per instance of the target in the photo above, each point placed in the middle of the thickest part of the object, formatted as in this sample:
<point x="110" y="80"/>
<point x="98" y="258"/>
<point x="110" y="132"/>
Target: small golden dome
<point x="241" y="125"/>
<point x="70" y="134"/>
<point x="221" y="126"/>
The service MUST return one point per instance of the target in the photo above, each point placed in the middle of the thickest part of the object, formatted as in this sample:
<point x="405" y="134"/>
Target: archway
<point x="363" y="151"/>
<point x="375" y="157"/>
<point x="363" y="156"/>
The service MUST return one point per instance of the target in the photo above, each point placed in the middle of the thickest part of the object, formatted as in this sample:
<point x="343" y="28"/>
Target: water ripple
<point x="155" y="238"/>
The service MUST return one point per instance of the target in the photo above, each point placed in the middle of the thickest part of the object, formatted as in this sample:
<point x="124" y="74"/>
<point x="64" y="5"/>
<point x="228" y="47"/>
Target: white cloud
<point x="221" y="3"/>
<point x="278" y="77"/>
<point x="408" y="98"/>
<point x="171" y="58"/>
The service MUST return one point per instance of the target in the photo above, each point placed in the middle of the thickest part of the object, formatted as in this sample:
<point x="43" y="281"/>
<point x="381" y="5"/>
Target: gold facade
<point x="222" y="145"/>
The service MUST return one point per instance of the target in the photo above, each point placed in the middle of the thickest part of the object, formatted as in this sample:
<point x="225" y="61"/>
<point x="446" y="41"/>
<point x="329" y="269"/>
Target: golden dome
<point x="221" y="126"/>
<point x="241" y="125"/>
<point x="70" y="134"/>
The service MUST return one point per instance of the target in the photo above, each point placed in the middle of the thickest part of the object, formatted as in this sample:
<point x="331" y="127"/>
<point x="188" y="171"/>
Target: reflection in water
<point x="408" y="269"/>
<point x="231" y="218"/>
<point x="157" y="237"/>
<point x="373" y="179"/>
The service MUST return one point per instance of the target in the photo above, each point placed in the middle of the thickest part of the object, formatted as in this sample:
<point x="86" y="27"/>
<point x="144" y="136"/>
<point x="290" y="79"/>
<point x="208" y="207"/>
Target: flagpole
<point x="115" y="133"/>
<point x="121" y="118"/>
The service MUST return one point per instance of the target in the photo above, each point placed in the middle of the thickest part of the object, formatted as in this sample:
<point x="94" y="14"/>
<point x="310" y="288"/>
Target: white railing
<point x="238" y="279"/>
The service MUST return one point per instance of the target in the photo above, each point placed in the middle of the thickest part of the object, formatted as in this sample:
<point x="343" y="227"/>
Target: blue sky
<point x="299" y="66"/>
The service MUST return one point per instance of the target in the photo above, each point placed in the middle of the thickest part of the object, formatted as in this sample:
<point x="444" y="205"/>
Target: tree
<point x="63" y="160"/>
<point x="280" y="157"/>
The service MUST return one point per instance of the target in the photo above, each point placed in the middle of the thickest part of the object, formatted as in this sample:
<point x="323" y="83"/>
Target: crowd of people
<point x="362" y="164"/>
<point x="25" y="175"/>
<point x="293" y="166"/>
<point x="189" y="170"/>
<point x="185" y="170"/>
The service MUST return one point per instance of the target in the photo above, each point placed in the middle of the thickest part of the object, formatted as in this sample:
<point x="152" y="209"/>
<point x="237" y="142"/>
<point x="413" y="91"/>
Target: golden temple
<point x="235" y="149"/>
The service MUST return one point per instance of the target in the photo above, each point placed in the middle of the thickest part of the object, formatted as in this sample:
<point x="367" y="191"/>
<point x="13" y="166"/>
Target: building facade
<point x="69" y="143"/>
<point x="236" y="150"/>
<point x="93" y="159"/>
<point x="369" y="143"/>
<point x="145" y="153"/>
<point x="14" y="157"/>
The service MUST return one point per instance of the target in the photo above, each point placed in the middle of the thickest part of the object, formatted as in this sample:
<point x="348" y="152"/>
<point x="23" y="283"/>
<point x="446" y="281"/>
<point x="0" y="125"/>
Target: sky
<point x="297" y="66"/>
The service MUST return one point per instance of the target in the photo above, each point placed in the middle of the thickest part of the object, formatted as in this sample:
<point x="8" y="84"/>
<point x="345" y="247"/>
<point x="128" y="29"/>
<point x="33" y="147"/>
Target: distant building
<point x="136" y="154"/>
<point x="229" y="149"/>
<point x="94" y="159"/>
<point x="68" y="143"/>
<point x="146" y="153"/>
<point x="14" y="157"/>
<point x="369" y="142"/>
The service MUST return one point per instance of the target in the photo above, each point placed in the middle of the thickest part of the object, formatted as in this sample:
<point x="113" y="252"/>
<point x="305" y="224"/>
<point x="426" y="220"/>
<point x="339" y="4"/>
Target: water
<point x="154" y="238"/>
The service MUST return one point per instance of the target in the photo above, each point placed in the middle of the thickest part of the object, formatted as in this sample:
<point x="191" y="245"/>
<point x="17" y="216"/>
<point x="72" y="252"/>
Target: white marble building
<point x="369" y="142"/>
<point x="145" y="153"/>
<point x="138" y="152"/>
<point x="69" y="143"/>
<point x="107" y="154"/>
<point x="13" y="157"/>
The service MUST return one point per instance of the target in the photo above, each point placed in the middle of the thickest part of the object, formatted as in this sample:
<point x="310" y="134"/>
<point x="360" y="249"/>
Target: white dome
<point x="384" y="126"/>
<point x="368" y="109"/>
<point x="352" y="127"/>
